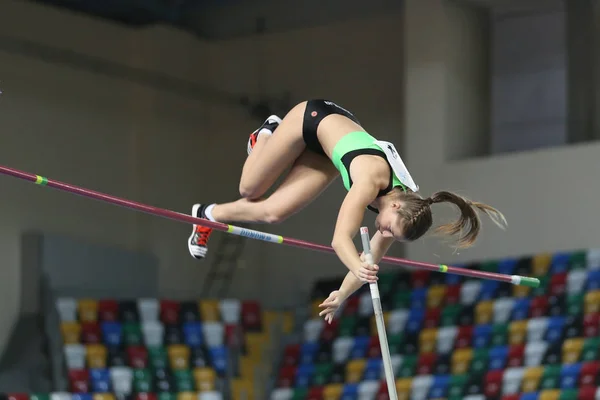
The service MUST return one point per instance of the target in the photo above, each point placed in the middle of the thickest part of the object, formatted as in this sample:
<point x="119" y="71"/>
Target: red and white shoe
<point x="198" y="241"/>
<point x="267" y="128"/>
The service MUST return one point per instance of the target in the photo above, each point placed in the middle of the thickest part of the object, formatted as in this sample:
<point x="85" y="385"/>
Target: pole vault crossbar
<point x="253" y="234"/>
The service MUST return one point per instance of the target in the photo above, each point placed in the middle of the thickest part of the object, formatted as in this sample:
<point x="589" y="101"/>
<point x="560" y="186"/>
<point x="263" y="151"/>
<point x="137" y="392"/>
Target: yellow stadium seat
<point x="461" y="361"/>
<point x="71" y="332"/>
<point x="521" y="291"/>
<point x="571" y="350"/>
<point x="517" y="332"/>
<point x="435" y="296"/>
<point x="103" y="396"/>
<point x="96" y="356"/>
<point x="242" y="389"/>
<point x="270" y="318"/>
<point x="540" y="264"/>
<point x="333" y="391"/>
<point x="288" y="322"/>
<point x="247" y="366"/>
<point x="592" y="302"/>
<point x="428" y="340"/>
<point x="373" y="326"/>
<point x="88" y="310"/>
<point x="354" y="370"/>
<point x="314" y="307"/>
<point x="550" y="394"/>
<point x="531" y="379"/>
<point x="179" y="356"/>
<point x="187" y="396"/>
<point x="209" y="310"/>
<point x="484" y="312"/>
<point x="255" y="343"/>
<point x="205" y="379"/>
<point x="404" y="388"/>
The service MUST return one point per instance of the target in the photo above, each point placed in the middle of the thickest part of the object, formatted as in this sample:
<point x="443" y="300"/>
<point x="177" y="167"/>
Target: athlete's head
<point x="407" y="216"/>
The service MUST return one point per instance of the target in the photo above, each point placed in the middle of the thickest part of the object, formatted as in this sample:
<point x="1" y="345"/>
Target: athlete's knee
<point x="250" y="192"/>
<point x="274" y="213"/>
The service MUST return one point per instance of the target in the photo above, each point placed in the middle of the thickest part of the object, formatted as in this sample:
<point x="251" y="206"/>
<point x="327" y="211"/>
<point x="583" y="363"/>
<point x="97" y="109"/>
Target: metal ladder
<point x="223" y="266"/>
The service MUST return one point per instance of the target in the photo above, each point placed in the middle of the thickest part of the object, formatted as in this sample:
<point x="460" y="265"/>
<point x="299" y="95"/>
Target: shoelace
<point x="202" y="235"/>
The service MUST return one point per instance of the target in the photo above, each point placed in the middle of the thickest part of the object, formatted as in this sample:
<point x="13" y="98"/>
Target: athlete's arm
<point x="348" y="223"/>
<point x="379" y="246"/>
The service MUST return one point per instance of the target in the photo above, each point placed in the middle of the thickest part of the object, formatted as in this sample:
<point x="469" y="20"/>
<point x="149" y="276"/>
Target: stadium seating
<point x="154" y="349"/>
<point x="452" y="337"/>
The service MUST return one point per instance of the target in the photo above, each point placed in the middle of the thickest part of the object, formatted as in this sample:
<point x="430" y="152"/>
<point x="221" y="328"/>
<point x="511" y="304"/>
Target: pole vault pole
<point x="258" y="235"/>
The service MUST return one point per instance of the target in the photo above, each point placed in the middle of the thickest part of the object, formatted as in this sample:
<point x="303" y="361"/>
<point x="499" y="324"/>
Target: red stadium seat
<point x="591" y="325"/>
<point x="493" y="383"/>
<point x="90" y="333"/>
<point x="251" y="316"/>
<point x="233" y="335"/>
<point x="79" y="381"/>
<point x="137" y="356"/>
<point x="432" y="318"/>
<point x="426" y="363"/>
<point x="589" y="374"/>
<point x="169" y="311"/>
<point x="516" y="354"/>
<point x="108" y="310"/>
<point x="329" y="331"/>
<point x="538" y="307"/>
<point x="291" y="355"/>
<point x="17" y="396"/>
<point x="287" y="376"/>
<point x="351" y="306"/>
<point x="419" y="279"/>
<point x="452" y="294"/>
<point x="374" y="348"/>
<point x="464" y="337"/>
<point x="558" y="284"/>
<point x="145" y="396"/>
<point x="315" y="393"/>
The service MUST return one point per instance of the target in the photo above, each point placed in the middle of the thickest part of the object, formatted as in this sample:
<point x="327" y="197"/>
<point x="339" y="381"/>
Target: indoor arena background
<point x="153" y="101"/>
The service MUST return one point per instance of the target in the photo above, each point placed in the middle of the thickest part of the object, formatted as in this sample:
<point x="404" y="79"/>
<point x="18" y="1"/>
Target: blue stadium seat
<point x="112" y="333"/>
<point x="488" y="290"/>
<point x="218" y="357"/>
<point x="415" y="320"/>
<point x="439" y="387"/>
<point x="593" y="280"/>
<point x="482" y="335"/>
<point x="373" y="369"/>
<point x="507" y="266"/>
<point x="350" y="391"/>
<point x="308" y="351"/>
<point x="418" y="298"/>
<point x="304" y="375"/>
<point x="554" y="332"/>
<point x="82" y="396"/>
<point x="359" y="348"/>
<point x="100" y="380"/>
<point x="498" y="357"/>
<point x="520" y="309"/>
<point x="530" y="396"/>
<point x="569" y="375"/>
<point x="192" y="334"/>
<point x="560" y="263"/>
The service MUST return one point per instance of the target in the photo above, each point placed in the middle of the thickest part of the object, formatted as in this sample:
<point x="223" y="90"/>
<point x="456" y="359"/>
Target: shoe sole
<point x="195" y="209"/>
<point x="271" y="119"/>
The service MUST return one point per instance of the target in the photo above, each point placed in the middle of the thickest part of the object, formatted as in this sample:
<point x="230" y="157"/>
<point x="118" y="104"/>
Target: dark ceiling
<point x="139" y="13"/>
<point x="226" y="19"/>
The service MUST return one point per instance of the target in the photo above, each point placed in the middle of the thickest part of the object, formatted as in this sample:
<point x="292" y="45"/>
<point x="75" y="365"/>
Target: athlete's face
<point x="389" y="223"/>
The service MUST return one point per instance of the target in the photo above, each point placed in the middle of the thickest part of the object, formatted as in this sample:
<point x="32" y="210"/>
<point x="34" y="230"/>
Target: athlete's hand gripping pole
<point x="383" y="342"/>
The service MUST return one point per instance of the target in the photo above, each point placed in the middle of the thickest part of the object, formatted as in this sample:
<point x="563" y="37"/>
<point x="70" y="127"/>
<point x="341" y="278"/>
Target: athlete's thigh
<point x="310" y="175"/>
<point x="278" y="154"/>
